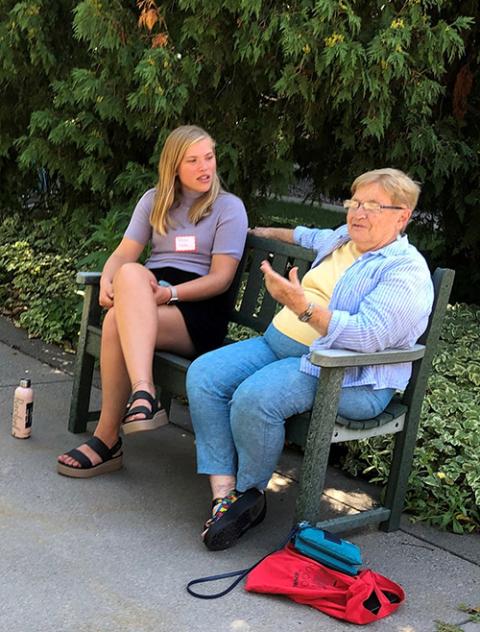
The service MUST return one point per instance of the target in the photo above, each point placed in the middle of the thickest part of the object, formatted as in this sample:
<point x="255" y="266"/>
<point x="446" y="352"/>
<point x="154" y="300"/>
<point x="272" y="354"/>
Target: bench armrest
<point x="342" y="357"/>
<point x="88" y="278"/>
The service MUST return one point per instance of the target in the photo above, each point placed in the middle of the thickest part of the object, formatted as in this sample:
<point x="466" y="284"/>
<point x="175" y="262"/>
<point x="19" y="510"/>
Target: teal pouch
<point x="328" y="549"/>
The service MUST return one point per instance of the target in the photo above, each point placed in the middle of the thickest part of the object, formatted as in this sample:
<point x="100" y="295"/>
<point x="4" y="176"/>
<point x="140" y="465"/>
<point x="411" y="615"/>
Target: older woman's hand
<point x="288" y="292"/>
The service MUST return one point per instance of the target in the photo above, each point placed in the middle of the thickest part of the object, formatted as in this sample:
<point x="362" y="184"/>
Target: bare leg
<point x="144" y="326"/>
<point x="115" y="390"/>
<point x="222" y="485"/>
<point x="137" y="321"/>
<point x="115" y="382"/>
<point x="121" y="363"/>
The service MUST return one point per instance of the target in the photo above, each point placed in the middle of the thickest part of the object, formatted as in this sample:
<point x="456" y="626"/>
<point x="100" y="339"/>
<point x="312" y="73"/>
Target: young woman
<point x="178" y="301"/>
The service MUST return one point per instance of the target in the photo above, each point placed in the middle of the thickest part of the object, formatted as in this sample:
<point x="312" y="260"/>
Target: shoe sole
<point x="141" y="425"/>
<point x="223" y="536"/>
<point x="112" y="465"/>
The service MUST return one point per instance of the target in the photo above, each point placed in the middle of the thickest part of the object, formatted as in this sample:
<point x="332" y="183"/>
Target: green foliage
<point x="473" y="611"/>
<point x="325" y="88"/>
<point x="441" y="626"/>
<point x="291" y="214"/>
<point x="105" y="238"/>
<point x="444" y="487"/>
<point x="38" y="266"/>
<point x="36" y="48"/>
<point x="43" y="295"/>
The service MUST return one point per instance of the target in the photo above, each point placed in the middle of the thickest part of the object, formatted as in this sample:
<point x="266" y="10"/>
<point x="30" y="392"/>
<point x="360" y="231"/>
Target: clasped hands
<point x="162" y="294"/>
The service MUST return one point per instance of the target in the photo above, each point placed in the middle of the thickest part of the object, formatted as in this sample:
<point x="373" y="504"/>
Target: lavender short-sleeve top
<point x="189" y="246"/>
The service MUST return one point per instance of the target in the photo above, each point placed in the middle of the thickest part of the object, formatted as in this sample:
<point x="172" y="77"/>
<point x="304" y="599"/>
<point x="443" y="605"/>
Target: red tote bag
<point x="361" y="599"/>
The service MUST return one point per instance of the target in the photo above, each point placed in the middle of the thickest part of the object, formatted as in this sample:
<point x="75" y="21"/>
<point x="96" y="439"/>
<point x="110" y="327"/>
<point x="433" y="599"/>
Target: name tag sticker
<point x="185" y="243"/>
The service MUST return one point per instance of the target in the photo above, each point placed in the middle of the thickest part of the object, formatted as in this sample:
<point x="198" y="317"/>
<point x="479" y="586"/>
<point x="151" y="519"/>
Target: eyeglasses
<point x="369" y="207"/>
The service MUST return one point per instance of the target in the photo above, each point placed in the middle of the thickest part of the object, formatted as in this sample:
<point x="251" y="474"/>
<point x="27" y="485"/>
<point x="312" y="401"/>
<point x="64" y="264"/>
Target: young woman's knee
<point x="130" y="273"/>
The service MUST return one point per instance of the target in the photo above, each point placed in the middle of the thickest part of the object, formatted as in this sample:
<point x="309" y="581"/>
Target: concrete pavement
<point x="115" y="552"/>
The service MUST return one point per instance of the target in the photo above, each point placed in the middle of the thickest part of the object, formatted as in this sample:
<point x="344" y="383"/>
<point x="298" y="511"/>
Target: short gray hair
<point x="401" y="188"/>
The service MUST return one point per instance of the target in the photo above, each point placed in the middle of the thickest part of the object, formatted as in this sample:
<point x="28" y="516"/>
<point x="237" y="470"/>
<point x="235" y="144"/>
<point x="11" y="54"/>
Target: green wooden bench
<point x="316" y="430"/>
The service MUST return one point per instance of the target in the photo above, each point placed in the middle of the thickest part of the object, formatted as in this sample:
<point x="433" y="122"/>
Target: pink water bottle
<point x="22" y="410"/>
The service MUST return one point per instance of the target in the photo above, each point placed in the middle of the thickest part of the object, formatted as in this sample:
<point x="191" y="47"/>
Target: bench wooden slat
<point x="254" y="287"/>
<point x="269" y="305"/>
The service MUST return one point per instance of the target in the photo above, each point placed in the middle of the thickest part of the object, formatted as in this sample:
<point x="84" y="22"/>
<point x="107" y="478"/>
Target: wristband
<point x="174" y="295"/>
<point x="305" y="316"/>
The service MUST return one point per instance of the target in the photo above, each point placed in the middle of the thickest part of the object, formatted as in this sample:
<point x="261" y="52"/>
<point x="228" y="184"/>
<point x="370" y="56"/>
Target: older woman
<point x="368" y="290"/>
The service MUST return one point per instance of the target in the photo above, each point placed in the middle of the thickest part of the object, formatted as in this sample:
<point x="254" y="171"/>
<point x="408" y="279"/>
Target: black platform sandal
<point x="155" y="417"/>
<point x="112" y="460"/>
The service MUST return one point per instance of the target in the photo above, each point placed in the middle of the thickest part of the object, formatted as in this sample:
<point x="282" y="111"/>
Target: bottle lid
<point x="25" y="383"/>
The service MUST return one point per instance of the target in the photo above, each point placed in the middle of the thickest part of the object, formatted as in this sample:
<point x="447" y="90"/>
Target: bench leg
<point x="320" y="433"/>
<point x="84" y="364"/>
<point x="82" y="386"/>
<point x="399" y="473"/>
<point x="165" y="400"/>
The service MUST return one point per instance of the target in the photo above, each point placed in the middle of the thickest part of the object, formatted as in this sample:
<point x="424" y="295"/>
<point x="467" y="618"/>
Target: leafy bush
<point x="105" y="237"/>
<point x="444" y="486"/>
<point x="42" y="295"/>
<point x="325" y="88"/>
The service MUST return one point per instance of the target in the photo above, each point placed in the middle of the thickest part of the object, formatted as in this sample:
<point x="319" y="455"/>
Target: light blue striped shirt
<point x="382" y="301"/>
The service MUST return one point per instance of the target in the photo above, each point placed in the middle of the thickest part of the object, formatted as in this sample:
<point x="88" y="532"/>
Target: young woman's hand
<point x="127" y="251"/>
<point x="106" y="293"/>
<point x="161" y="293"/>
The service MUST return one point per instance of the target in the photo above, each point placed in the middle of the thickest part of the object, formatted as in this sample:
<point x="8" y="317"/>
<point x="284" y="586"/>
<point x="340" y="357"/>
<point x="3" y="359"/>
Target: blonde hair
<point x="400" y="187"/>
<point x="168" y="189"/>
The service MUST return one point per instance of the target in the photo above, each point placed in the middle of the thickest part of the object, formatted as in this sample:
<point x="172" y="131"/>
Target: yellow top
<point x="318" y="285"/>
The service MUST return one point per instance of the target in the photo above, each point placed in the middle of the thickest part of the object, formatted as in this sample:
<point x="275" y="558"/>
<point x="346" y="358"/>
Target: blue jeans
<point x="240" y="396"/>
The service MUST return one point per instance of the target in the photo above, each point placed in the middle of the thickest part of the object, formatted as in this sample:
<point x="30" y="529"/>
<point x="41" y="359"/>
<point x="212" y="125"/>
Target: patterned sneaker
<point x="219" y="507"/>
<point x="232" y="516"/>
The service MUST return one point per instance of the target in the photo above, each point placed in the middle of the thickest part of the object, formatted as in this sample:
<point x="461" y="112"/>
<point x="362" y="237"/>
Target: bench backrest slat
<point x="269" y="305"/>
<point x="253" y="289"/>
<point x="255" y="308"/>
<point x="442" y="283"/>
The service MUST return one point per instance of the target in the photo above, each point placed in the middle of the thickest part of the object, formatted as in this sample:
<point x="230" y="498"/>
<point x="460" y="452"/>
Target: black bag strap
<point x="240" y="574"/>
<point x="211" y="578"/>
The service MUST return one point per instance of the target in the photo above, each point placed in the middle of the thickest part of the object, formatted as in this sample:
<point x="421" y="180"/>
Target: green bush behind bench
<point x="444" y="486"/>
<point x="38" y="290"/>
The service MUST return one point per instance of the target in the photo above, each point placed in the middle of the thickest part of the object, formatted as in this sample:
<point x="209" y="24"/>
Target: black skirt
<point x="206" y="320"/>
